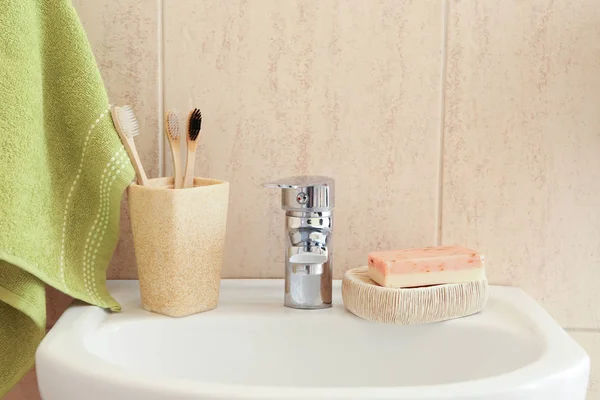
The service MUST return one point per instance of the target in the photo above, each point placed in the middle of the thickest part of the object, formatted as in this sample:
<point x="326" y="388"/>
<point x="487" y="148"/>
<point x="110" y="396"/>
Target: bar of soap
<point x="425" y="266"/>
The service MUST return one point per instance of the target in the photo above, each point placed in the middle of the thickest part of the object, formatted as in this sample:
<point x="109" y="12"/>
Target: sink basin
<point x="251" y="347"/>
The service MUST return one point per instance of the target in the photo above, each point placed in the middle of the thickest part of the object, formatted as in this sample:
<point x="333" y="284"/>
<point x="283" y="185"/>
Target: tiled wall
<point x="459" y="121"/>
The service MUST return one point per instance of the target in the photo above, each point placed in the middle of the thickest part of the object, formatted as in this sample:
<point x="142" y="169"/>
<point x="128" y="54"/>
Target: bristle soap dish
<point x="366" y="299"/>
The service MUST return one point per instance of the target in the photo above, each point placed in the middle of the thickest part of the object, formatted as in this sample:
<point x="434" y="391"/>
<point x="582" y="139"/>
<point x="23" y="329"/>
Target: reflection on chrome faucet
<point x="308" y="201"/>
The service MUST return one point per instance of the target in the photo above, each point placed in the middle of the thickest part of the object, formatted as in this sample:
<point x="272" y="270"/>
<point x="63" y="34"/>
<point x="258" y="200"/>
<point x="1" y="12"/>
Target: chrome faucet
<point x="308" y="202"/>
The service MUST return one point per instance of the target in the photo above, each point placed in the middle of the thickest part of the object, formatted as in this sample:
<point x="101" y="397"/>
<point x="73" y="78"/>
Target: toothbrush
<point x="127" y="126"/>
<point x="172" y="129"/>
<point x="194" y="126"/>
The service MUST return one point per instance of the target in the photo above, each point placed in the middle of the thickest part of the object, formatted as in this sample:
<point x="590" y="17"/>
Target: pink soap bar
<point x="425" y="266"/>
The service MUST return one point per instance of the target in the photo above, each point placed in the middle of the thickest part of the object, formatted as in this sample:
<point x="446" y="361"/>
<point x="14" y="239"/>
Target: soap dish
<point x="366" y="299"/>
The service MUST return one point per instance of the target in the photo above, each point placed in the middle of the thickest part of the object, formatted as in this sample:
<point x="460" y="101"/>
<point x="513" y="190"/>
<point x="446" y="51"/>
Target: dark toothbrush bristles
<point x="195" y="124"/>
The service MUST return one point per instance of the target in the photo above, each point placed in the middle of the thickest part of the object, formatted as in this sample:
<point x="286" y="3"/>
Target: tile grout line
<point x="160" y="94"/>
<point x="440" y="189"/>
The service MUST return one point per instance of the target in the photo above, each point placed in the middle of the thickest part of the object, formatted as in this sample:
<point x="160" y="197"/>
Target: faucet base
<point x="321" y="307"/>
<point x="308" y="286"/>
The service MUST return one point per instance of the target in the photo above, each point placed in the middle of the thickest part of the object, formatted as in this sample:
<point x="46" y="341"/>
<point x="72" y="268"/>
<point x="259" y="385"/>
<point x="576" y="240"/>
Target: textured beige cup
<point x="179" y="237"/>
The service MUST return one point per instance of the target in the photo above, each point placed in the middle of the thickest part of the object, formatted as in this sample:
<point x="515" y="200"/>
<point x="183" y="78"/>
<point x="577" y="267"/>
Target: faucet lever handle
<point x="305" y="193"/>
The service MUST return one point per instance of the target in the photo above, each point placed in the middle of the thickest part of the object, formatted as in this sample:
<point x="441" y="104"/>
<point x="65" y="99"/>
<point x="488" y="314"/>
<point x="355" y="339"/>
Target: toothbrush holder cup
<point x="179" y="237"/>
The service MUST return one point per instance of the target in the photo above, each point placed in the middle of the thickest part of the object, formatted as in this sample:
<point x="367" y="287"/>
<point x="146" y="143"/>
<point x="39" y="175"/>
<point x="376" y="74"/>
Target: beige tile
<point x="590" y="341"/>
<point x="124" y="38"/>
<point x="312" y="87"/>
<point x="521" y="164"/>
<point x="26" y="389"/>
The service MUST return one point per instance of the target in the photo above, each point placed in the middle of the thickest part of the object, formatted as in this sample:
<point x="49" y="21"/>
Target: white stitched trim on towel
<point x="68" y="201"/>
<point x="113" y="168"/>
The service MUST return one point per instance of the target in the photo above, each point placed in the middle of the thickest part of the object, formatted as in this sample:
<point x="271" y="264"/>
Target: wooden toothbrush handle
<point x="178" y="177"/>
<point x="137" y="164"/>
<point x="189" y="168"/>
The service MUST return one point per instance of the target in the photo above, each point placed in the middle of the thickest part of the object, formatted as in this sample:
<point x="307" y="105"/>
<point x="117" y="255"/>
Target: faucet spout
<point x="308" y="260"/>
<point x="314" y="255"/>
<point x="308" y="244"/>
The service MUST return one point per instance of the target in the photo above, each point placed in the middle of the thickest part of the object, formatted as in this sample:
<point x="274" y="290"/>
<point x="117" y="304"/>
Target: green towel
<point x="63" y="171"/>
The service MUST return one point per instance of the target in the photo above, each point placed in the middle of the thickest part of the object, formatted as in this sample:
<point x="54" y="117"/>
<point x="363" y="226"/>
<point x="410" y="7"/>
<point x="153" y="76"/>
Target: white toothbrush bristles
<point x="172" y="124"/>
<point x="129" y="122"/>
<point x="127" y="127"/>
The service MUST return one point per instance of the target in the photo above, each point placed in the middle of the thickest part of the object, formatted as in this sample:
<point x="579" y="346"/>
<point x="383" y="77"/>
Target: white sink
<point x="251" y="347"/>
